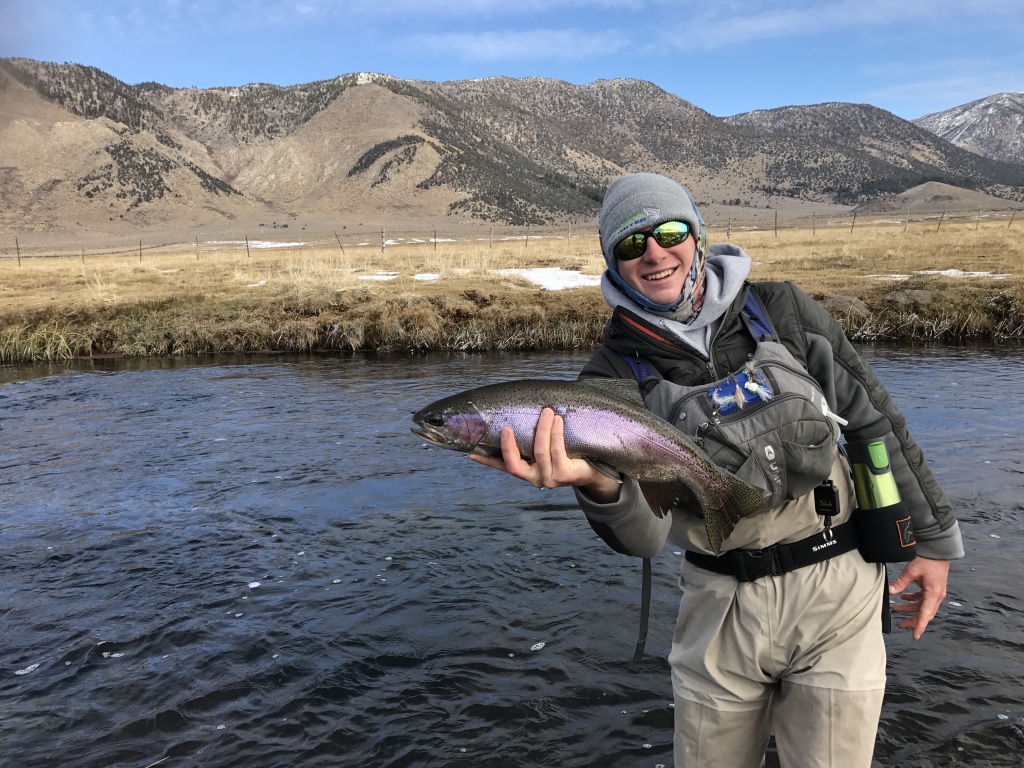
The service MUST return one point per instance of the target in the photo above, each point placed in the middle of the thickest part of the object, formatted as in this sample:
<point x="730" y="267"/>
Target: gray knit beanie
<point x="638" y="202"/>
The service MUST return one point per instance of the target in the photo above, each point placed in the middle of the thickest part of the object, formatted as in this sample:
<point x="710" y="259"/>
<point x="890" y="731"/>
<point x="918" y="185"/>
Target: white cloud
<point x="922" y="97"/>
<point x="468" y="8"/>
<point x="749" y="20"/>
<point x="534" y="44"/>
<point x="921" y="86"/>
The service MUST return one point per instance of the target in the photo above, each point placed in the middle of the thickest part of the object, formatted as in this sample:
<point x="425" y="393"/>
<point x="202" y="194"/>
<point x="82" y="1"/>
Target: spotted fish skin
<point x="605" y="422"/>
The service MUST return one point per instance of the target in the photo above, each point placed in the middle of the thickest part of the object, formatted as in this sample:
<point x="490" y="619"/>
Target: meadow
<point x="882" y="279"/>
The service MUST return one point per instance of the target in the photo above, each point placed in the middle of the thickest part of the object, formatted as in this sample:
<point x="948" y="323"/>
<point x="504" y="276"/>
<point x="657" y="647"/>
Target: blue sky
<point x="910" y="57"/>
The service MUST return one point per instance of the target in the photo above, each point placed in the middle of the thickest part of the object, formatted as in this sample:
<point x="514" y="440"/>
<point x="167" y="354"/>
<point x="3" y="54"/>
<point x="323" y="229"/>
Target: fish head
<point x="456" y="425"/>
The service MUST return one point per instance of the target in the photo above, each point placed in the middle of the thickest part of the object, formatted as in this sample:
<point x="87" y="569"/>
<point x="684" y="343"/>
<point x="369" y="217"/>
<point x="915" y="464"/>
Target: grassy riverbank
<point x="881" y="281"/>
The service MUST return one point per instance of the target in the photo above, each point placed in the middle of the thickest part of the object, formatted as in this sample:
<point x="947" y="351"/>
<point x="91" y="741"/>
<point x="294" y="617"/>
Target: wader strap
<point x="886" y="606"/>
<point x="754" y="564"/>
<point x="755" y="317"/>
<point x="645" y="610"/>
<point x="645" y="376"/>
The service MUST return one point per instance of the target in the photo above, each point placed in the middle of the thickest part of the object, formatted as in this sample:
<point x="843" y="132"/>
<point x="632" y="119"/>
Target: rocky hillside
<point x="77" y="145"/>
<point x="992" y="127"/>
<point x="899" y="154"/>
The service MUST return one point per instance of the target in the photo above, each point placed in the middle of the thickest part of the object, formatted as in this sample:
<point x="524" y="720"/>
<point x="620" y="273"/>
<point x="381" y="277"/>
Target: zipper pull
<point x="698" y="436"/>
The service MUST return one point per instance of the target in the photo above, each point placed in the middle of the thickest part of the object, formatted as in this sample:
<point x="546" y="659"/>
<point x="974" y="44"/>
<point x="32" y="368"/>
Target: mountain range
<point x="992" y="127"/>
<point x="81" y="150"/>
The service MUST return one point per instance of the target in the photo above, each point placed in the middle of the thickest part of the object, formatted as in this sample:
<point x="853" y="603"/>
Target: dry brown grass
<point x="308" y="298"/>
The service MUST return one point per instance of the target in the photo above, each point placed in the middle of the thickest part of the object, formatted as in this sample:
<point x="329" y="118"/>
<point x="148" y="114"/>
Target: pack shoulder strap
<point x="756" y="318"/>
<point x="642" y="371"/>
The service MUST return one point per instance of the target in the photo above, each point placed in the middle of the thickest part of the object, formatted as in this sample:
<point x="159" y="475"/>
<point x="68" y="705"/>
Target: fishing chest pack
<point x="769" y="424"/>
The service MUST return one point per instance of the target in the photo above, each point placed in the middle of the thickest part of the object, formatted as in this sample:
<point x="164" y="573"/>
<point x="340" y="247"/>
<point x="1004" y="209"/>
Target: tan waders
<point x="799" y="655"/>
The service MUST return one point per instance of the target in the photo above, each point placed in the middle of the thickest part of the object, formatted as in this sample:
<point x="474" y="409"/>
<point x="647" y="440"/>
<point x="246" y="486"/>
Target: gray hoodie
<point x="726" y="269"/>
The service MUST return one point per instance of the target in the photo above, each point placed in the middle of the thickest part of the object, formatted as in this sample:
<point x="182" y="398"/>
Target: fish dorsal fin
<point x="624" y="389"/>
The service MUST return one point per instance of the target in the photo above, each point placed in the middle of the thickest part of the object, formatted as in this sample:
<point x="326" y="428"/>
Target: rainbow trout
<point x="605" y="423"/>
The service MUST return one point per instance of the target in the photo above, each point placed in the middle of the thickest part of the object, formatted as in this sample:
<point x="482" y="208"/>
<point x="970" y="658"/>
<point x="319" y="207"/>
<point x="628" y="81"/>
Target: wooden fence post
<point x="383" y="242"/>
<point x="83" y="254"/>
<point x="197" y="247"/>
<point x="814" y="223"/>
<point x="977" y="221"/>
<point x="247" y="246"/>
<point x="435" y="241"/>
<point x="776" y="223"/>
<point x="17" y="247"/>
<point x="527" y="236"/>
<point x="941" y="217"/>
<point x="491" y="243"/>
<point x="140" y="251"/>
<point x="1011" y="217"/>
<point x="853" y="222"/>
<point x="728" y="229"/>
<point x="339" y="242"/>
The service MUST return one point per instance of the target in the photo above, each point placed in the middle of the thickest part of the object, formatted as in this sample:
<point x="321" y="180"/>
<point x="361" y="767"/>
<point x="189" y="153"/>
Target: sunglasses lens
<point x="666" y="235"/>
<point x="671" y="233"/>
<point x="631" y="247"/>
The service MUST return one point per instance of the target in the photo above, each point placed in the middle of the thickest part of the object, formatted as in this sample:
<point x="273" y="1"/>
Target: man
<point x="797" y="650"/>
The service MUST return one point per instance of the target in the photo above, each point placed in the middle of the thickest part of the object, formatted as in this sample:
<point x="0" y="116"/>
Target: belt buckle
<point x="751" y="565"/>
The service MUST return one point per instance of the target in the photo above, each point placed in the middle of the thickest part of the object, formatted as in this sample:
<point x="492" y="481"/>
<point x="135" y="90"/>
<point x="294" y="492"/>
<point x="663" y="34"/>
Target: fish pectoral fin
<point x="485" y="450"/>
<point x="661" y="496"/>
<point x="605" y="469"/>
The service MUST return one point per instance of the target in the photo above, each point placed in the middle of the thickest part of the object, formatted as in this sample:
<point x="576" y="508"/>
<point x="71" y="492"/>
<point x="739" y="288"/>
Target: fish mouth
<point x="430" y="434"/>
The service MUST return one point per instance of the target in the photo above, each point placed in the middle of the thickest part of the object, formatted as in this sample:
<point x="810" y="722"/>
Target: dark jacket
<point x="818" y="342"/>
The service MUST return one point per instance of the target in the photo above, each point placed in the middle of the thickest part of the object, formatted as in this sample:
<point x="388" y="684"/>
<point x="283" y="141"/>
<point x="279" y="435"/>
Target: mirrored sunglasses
<point x="666" y="235"/>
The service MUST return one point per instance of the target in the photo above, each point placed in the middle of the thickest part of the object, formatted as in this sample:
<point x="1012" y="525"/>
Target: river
<point x="253" y="562"/>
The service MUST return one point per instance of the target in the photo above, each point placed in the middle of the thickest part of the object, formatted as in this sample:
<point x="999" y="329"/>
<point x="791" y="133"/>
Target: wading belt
<point x="753" y="564"/>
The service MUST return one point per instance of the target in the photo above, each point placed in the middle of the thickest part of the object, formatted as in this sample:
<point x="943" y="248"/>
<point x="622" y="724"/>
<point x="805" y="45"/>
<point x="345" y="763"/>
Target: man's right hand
<point x="551" y="466"/>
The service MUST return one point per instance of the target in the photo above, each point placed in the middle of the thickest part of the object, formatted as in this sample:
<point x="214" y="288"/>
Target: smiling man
<point x="780" y="632"/>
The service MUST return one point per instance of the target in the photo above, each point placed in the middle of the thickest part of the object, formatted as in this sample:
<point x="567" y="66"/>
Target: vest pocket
<point x="806" y="467"/>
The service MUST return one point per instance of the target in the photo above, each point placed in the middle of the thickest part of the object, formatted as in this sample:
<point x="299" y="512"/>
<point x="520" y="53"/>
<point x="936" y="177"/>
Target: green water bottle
<point x="872" y="478"/>
<point x="882" y="518"/>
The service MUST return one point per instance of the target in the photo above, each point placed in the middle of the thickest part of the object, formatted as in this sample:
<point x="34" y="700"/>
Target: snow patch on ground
<point x="256" y="243"/>
<point x="553" y="278"/>
<point x="941" y="273"/>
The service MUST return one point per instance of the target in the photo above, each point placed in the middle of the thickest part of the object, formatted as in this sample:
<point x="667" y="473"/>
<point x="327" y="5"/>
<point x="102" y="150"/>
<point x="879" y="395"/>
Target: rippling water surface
<point x="255" y="563"/>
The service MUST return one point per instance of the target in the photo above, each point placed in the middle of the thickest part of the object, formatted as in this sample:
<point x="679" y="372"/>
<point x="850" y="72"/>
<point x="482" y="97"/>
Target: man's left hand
<point x="922" y="605"/>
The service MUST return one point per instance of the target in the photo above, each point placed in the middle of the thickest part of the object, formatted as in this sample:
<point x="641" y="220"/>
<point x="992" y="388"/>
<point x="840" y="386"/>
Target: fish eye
<point x="435" y="420"/>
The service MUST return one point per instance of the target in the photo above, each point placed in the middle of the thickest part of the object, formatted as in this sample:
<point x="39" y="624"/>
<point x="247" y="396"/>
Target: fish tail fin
<point x="744" y="499"/>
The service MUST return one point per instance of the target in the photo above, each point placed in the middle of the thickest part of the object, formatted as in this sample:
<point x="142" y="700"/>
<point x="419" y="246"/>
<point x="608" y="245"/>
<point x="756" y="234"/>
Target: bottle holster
<point x="882" y="518"/>
<point x="886" y="534"/>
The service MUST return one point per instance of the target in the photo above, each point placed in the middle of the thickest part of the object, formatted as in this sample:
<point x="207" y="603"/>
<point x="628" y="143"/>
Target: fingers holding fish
<point x="542" y="449"/>
<point x="551" y="465"/>
<point x="561" y="469"/>
<point x="515" y="464"/>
